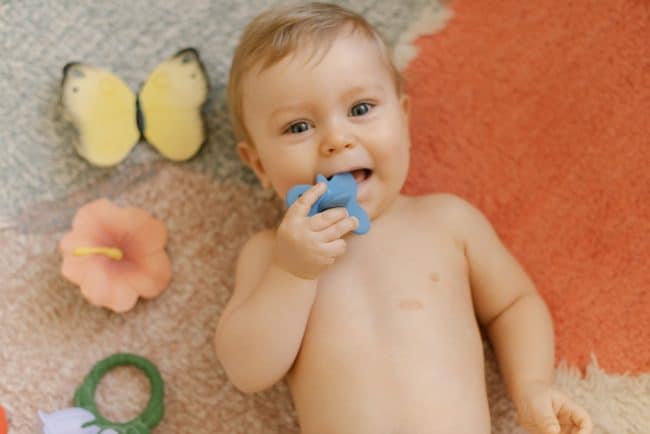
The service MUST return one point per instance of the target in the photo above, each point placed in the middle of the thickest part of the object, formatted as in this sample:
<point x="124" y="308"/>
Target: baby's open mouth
<point x="360" y="175"/>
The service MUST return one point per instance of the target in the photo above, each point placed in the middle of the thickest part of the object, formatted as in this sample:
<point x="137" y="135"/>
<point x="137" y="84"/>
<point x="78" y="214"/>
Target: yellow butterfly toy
<point x="111" y="119"/>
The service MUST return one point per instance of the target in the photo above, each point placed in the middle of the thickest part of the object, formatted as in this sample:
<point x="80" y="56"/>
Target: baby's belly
<point x="393" y="365"/>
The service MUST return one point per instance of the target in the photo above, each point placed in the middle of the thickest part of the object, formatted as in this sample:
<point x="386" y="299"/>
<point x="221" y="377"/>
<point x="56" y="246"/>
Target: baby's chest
<point x="393" y="292"/>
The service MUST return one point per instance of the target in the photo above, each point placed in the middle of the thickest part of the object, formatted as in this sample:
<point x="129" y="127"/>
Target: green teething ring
<point x="84" y="397"/>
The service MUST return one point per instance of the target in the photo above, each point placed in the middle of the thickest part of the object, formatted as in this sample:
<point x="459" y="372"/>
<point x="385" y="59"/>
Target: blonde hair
<point x="281" y="31"/>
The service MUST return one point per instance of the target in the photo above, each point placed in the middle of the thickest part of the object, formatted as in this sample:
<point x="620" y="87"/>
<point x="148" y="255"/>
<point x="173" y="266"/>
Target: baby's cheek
<point x="393" y="137"/>
<point x="288" y="178"/>
<point x="393" y="149"/>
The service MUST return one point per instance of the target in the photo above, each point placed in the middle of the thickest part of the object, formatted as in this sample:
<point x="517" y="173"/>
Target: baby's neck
<point x="395" y="206"/>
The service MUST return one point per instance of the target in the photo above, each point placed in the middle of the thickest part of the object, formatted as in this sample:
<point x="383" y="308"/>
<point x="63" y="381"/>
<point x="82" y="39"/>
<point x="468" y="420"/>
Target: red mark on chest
<point x="410" y="305"/>
<point x="434" y="277"/>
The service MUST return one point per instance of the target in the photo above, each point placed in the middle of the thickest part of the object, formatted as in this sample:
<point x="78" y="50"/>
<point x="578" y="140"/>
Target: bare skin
<point x="379" y="333"/>
<point x="392" y="344"/>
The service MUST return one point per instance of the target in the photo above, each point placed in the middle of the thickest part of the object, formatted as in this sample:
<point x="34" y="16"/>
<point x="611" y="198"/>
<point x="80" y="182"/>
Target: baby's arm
<point x="261" y="328"/>
<point x="506" y="303"/>
<point x="518" y="324"/>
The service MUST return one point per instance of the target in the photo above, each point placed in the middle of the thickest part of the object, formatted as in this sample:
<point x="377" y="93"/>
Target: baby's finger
<point x="576" y="415"/>
<point x="303" y="204"/>
<point x="334" y="249"/>
<point x="339" y="229"/>
<point x="327" y="218"/>
<point x="545" y="418"/>
<point x="583" y="421"/>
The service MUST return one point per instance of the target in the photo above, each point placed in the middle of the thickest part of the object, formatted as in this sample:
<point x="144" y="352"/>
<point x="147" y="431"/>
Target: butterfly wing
<point x="103" y="110"/>
<point x="171" y="101"/>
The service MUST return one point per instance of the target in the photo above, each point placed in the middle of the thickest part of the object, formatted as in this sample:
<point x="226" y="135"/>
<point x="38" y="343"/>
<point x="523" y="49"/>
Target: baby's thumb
<point x="545" y="419"/>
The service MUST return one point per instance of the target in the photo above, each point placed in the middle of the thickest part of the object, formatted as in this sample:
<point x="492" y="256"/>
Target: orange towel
<point x="3" y="422"/>
<point x="539" y="114"/>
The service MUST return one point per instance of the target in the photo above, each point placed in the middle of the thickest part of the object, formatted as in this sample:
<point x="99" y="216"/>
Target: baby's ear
<point x="251" y="158"/>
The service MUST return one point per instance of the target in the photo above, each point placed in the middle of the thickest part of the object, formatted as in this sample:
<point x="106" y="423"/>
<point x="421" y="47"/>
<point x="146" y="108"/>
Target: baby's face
<point x="338" y="113"/>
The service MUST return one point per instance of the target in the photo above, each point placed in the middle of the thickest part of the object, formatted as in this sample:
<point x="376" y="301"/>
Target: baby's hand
<point x="543" y="409"/>
<point x="305" y="246"/>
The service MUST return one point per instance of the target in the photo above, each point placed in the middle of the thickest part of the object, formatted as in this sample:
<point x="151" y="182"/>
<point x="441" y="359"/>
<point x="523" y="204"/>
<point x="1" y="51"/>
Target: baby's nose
<point x="332" y="149"/>
<point x="335" y="144"/>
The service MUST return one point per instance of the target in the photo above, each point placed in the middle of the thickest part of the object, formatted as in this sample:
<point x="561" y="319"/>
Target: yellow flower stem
<point x="111" y="252"/>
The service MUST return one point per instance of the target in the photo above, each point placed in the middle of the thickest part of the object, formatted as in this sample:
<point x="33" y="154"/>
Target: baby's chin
<point x="380" y="199"/>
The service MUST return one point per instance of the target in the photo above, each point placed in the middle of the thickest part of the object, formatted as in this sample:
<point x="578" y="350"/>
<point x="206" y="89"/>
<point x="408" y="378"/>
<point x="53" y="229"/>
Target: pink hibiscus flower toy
<point x="116" y="255"/>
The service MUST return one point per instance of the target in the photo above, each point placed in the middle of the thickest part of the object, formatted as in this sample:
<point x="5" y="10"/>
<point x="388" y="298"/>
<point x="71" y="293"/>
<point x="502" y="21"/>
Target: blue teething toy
<point x="341" y="192"/>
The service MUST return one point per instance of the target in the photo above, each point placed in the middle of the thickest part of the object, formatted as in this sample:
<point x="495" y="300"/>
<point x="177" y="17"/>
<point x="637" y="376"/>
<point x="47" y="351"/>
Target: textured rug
<point x="556" y="114"/>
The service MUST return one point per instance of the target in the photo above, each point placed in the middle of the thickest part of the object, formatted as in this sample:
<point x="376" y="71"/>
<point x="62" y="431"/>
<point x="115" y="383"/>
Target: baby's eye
<point x="298" y="127"/>
<point x="361" y="109"/>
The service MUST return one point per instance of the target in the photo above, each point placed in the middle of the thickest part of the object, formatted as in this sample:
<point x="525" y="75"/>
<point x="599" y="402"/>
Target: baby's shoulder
<point x="441" y="205"/>
<point x="452" y="213"/>
<point x="447" y="212"/>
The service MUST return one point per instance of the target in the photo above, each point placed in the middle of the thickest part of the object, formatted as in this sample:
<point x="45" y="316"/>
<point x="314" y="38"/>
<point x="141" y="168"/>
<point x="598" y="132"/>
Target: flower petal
<point x="101" y="280"/>
<point x="77" y="268"/>
<point x="95" y="284"/>
<point x="107" y="289"/>
<point x="122" y="298"/>
<point x="151" y="274"/>
<point x="147" y="235"/>
<point x="99" y="219"/>
<point x="74" y="239"/>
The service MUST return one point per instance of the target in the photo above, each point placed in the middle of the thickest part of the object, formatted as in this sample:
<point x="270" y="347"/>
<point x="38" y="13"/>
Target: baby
<point x="376" y="333"/>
